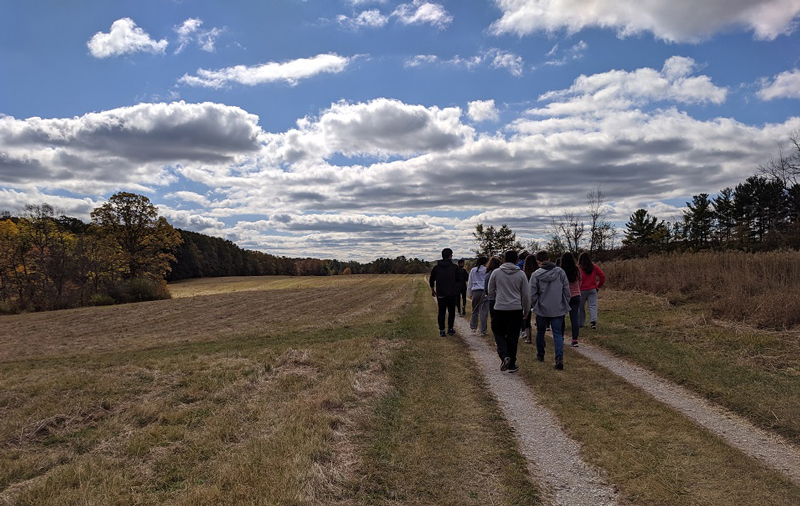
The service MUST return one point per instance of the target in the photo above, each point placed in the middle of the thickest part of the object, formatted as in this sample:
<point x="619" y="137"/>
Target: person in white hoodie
<point x="475" y="289"/>
<point x="509" y="287"/>
<point x="550" y="296"/>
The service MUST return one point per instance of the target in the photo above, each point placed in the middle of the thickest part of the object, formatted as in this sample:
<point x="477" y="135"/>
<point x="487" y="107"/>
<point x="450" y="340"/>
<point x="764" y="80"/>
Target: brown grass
<point x="761" y="289"/>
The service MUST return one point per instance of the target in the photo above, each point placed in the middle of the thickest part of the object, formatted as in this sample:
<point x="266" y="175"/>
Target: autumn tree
<point x="144" y="239"/>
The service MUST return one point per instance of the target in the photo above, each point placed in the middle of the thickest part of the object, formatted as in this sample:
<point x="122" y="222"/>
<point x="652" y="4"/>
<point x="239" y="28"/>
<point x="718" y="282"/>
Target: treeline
<point x="200" y="255"/>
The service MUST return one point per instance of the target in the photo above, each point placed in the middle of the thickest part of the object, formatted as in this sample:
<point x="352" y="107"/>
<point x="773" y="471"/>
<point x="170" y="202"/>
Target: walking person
<point x="592" y="279"/>
<point x="462" y="289"/>
<point x="476" y="287"/>
<point x="445" y="280"/>
<point x="509" y="287"/>
<point x="528" y="267"/>
<point x="491" y="266"/>
<point x="574" y="278"/>
<point x="550" y="299"/>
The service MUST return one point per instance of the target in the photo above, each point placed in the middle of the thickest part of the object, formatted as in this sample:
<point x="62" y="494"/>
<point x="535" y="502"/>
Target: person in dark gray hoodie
<point x="445" y="282"/>
<point x="550" y="299"/>
<point x="509" y="288"/>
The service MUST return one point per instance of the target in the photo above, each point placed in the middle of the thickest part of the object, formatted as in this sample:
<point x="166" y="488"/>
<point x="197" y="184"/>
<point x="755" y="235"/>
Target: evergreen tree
<point x="699" y="220"/>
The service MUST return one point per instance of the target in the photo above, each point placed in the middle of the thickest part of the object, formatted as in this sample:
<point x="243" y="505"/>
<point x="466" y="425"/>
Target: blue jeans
<point x="557" y="326"/>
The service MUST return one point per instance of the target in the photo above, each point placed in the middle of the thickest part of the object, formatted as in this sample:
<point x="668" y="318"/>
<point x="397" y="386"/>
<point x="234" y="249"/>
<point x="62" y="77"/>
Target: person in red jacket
<point x="592" y="279"/>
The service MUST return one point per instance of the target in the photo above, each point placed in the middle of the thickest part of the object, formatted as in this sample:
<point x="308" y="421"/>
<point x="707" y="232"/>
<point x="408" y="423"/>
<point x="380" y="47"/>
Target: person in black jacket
<point x="445" y="284"/>
<point x="461" y="300"/>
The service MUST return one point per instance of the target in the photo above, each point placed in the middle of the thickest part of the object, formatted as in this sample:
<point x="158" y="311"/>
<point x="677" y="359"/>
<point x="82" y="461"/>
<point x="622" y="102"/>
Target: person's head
<point x="447" y="254"/>
<point x="568" y="264"/>
<point x="524" y="255"/>
<point x="511" y="256"/>
<point x="530" y="265"/>
<point x="493" y="264"/>
<point x="585" y="262"/>
<point x="481" y="261"/>
<point x="461" y="262"/>
<point x="542" y="256"/>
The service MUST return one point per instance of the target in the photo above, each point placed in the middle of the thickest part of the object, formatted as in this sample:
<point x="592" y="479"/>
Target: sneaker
<point x="506" y="363"/>
<point x="559" y="364"/>
<point x="594" y="325"/>
<point x="540" y="358"/>
<point x="528" y="340"/>
<point x="484" y="333"/>
<point x="451" y="331"/>
<point x="513" y="368"/>
<point x="574" y="343"/>
<point x="441" y="333"/>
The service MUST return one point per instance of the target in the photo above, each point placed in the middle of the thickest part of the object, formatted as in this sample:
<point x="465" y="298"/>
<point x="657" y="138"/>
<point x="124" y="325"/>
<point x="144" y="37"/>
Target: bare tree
<point x="602" y="233"/>
<point x="786" y="167"/>
<point x="570" y="230"/>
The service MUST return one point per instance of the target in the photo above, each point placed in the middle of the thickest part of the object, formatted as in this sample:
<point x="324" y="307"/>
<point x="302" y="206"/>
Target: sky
<point x="358" y="129"/>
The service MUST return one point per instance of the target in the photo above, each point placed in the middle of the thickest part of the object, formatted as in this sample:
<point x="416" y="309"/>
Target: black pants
<point x="505" y="326"/>
<point x="461" y="301"/>
<point x="447" y="304"/>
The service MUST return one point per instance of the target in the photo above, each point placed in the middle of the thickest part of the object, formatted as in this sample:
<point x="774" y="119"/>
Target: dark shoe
<point x="559" y="364"/>
<point x="540" y="358"/>
<point x="506" y="363"/>
<point x="451" y="331"/>
<point x="441" y="333"/>
<point x="513" y="368"/>
<point x="574" y="343"/>
<point x="594" y="325"/>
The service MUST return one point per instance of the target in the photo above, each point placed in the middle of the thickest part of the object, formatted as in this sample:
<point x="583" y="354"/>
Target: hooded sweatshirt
<point x="550" y="291"/>
<point x="446" y="277"/>
<point x="509" y="288"/>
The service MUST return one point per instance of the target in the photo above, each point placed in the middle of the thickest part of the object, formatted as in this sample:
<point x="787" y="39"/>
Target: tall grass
<point x="761" y="289"/>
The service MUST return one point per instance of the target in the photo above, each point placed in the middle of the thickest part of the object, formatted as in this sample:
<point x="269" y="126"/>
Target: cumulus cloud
<point x="130" y="145"/>
<point x="671" y="20"/>
<point x="189" y="31"/>
<point x="619" y="89"/>
<point x="124" y="38"/>
<point x="784" y="85"/>
<point x="289" y="72"/>
<point x="422" y="12"/>
<point x="509" y="61"/>
<point x="365" y="19"/>
<point x="483" y="110"/>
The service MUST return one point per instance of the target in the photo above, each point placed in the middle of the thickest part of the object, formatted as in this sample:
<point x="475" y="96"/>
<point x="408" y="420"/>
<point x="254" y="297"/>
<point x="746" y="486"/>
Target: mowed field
<point x="251" y="391"/>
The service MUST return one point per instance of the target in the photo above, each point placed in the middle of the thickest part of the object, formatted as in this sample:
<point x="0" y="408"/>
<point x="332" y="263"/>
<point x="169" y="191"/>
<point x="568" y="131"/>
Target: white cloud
<point x="784" y="85"/>
<point x="673" y="20"/>
<point x="574" y="53"/>
<point x="421" y="59"/>
<point x="483" y="110"/>
<point x="509" y="61"/>
<point x="421" y="12"/>
<point x="365" y="19"/>
<point x="124" y="38"/>
<point x="290" y="72"/>
<point x="619" y="89"/>
<point x="190" y="31"/>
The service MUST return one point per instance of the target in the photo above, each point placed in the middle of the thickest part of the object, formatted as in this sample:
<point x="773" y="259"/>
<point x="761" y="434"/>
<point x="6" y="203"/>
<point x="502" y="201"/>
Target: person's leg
<point x="557" y="324"/>
<point x="582" y="308"/>
<point x="541" y="324"/>
<point x="451" y="314"/>
<point x="592" y="298"/>
<point x="528" y="329"/>
<point x="512" y="336"/>
<point x="484" y="316"/>
<point x="499" y="323"/>
<point x="442" y="309"/>
<point x="477" y="300"/>
<point x="463" y="304"/>
<point x="574" y="304"/>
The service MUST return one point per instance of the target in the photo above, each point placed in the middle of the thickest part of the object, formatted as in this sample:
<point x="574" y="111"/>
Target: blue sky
<point x="355" y="129"/>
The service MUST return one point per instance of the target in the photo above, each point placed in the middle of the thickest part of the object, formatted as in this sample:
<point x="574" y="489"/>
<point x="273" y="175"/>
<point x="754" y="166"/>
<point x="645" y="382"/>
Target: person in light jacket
<point x="475" y="289"/>
<point x="550" y="296"/>
<point x="509" y="288"/>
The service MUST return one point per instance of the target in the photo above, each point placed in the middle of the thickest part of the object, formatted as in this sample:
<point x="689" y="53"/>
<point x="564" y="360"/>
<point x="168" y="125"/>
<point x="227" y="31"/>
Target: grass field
<point x="251" y="391"/>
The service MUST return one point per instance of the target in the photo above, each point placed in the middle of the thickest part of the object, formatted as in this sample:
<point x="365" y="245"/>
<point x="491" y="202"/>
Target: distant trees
<point x="492" y="242"/>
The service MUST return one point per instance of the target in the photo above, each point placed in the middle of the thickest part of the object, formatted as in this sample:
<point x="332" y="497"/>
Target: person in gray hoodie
<point x="549" y="289"/>
<point x="509" y="288"/>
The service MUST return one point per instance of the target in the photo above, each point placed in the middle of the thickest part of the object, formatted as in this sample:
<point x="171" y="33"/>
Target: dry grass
<point x="652" y="454"/>
<point x="759" y="289"/>
<point x="233" y="397"/>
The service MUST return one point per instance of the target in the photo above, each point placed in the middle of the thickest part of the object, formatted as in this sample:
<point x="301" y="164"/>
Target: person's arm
<point x="526" y="297"/>
<point x="601" y="276"/>
<point x="533" y="290"/>
<point x="565" y="293"/>
<point x="469" y="285"/>
<point x="492" y="287"/>
<point x="433" y="281"/>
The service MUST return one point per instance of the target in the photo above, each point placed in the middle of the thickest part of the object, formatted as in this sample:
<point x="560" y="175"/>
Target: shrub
<point x="101" y="299"/>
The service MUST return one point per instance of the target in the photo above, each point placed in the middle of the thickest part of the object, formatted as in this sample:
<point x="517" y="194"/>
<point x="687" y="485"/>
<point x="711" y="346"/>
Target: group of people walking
<point x="515" y="292"/>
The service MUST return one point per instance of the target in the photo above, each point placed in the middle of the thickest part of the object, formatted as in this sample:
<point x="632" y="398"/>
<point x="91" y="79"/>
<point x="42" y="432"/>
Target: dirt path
<point x="768" y="448"/>
<point x="552" y="456"/>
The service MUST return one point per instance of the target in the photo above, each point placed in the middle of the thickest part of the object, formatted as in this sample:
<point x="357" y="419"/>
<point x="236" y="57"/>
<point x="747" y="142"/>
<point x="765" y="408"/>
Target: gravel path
<point x="552" y="456"/>
<point x="768" y="448"/>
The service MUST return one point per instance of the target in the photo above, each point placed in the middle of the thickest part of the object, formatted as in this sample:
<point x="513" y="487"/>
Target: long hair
<point x="530" y="265"/>
<point x="493" y="264"/>
<point x="568" y="264"/>
<point x="586" y="263"/>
